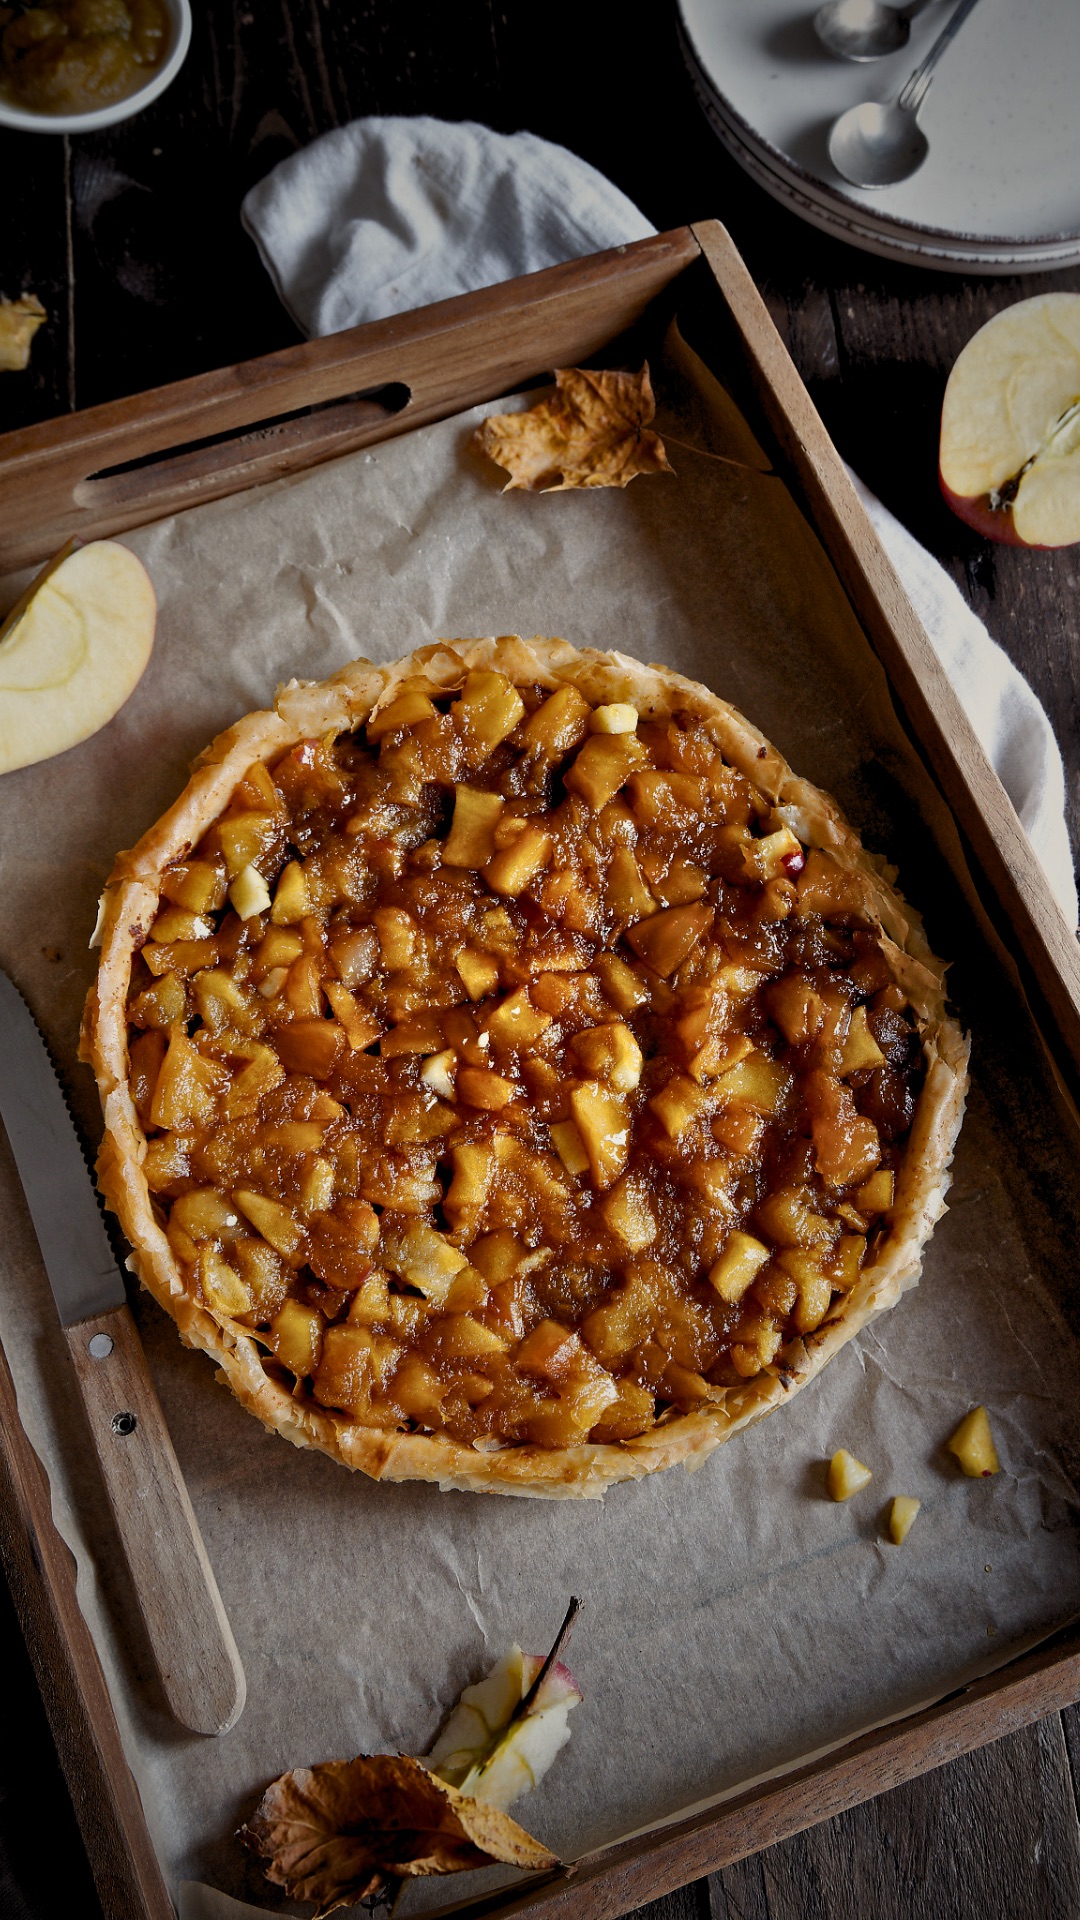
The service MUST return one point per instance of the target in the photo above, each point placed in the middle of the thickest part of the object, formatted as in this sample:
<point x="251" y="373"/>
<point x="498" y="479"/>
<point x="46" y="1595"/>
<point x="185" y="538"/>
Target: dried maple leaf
<point x="337" y="1833"/>
<point x="591" y="432"/>
<point x="19" y="321"/>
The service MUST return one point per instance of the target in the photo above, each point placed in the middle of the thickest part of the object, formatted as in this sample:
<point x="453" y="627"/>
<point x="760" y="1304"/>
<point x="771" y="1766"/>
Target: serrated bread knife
<point x="174" y="1583"/>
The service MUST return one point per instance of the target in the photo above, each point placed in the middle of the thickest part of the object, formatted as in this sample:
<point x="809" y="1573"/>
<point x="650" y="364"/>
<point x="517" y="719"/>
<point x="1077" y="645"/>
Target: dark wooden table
<point x="131" y="239"/>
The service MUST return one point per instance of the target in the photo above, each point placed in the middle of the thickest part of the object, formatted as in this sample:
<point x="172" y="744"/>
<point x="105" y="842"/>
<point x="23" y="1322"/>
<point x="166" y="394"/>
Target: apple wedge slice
<point x="1009" y="462"/>
<point x="486" y="1750"/>
<point x="72" y="650"/>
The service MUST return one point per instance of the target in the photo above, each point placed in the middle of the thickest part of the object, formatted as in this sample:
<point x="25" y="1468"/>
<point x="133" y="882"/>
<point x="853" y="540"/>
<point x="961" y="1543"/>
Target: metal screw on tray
<point x="881" y="143"/>
<point x="865" y="29"/>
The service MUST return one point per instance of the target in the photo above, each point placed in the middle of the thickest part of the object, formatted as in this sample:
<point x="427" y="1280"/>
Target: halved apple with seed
<point x="1010" y="425"/>
<point x="72" y="650"/>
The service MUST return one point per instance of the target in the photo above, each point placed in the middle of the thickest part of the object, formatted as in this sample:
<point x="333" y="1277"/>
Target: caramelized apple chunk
<point x="510" y="1070"/>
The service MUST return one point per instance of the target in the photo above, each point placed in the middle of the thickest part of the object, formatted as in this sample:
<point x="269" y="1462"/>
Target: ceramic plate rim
<point x="1014" y="243"/>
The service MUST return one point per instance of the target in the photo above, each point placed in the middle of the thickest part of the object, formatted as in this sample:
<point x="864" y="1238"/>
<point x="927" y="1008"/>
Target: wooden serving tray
<point x="119" y="466"/>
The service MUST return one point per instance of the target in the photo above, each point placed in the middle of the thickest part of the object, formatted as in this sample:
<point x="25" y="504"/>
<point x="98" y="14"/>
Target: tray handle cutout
<point x="238" y="459"/>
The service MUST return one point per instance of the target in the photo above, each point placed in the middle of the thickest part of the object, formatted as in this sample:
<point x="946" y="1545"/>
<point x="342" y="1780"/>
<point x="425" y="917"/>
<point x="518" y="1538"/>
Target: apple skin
<point x="1010" y="421"/>
<point x="995" y="523"/>
<point x="72" y="650"/>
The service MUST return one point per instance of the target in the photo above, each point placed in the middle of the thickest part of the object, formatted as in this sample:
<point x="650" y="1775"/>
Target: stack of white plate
<point x="1000" y="189"/>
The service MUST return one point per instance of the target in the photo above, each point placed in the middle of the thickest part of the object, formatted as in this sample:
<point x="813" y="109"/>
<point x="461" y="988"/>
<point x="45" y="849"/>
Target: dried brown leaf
<point x="338" y="1832"/>
<point x="19" y="321"/>
<point x="593" y="431"/>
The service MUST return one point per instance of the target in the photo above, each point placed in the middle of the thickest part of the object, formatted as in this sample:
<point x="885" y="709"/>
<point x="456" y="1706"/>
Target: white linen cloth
<point x="388" y="214"/>
<point x="384" y="215"/>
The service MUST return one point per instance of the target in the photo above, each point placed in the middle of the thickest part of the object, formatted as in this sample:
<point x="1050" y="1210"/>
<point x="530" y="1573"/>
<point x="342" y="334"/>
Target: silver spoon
<point x="881" y="142"/>
<point x="865" y="29"/>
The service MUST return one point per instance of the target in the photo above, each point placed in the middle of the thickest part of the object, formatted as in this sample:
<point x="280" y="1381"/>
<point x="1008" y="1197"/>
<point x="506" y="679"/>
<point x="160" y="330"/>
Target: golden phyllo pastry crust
<point x="514" y="1075"/>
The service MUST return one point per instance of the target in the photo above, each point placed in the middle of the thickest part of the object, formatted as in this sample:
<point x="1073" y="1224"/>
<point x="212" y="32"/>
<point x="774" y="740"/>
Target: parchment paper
<point x="735" y="1620"/>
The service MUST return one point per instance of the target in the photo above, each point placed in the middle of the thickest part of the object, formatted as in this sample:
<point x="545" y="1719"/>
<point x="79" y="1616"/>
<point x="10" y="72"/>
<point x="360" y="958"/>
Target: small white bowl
<point x="27" y="121"/>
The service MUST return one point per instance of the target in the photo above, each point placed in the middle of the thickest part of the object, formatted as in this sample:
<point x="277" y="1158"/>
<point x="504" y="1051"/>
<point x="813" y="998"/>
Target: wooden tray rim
<point x="38" y="1564"/>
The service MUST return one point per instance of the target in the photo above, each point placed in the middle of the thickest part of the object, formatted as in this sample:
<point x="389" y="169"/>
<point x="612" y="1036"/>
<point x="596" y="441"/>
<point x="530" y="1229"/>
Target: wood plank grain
<point x="41" y="1575"/>
<point x="446" y="357"/>
<point x="686" y="1903"/>
<point x="34" y="259"/>
<point x="994" y="1835"/>
<point x="30" y="1778"/>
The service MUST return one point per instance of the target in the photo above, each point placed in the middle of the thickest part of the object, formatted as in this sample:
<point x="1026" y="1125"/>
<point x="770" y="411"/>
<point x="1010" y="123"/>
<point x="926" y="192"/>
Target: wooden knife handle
<point x="173" y="1580"/>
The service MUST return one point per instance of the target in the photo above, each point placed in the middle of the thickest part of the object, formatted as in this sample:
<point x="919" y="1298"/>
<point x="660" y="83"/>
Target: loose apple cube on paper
<point x="901" y="1517"/>
<point x="846" y="1475"/>
<point x="973" y="1445"/>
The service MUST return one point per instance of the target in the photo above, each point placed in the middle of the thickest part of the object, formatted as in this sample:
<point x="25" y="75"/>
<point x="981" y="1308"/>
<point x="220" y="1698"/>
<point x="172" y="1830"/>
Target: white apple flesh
<point x="485" y="1753"/>
<point x="72" y="650"/>
<point x="1010" y="425"/>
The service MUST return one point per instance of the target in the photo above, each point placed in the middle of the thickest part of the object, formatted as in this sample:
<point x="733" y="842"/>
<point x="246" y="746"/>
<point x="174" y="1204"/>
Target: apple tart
<point x="514" y="1076"/>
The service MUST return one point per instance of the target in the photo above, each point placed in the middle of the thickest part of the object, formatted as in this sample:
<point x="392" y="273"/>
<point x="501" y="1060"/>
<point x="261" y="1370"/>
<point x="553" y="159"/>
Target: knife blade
<point x="173" y="1581"/>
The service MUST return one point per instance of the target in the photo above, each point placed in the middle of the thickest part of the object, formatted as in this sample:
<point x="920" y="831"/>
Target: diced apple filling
<point x="516" y="1022"/>
<point x="407" y="710"/>
<point x="624" y="988"/>
<point x="665" y="939"/>
<point x="197" y="885"/>
<point x="479" y="971"/>
<point x="500" y="1070"/>
<point x="603" y="1124"/>
<point x="421" y="1255"/>
<point x="617" y="718"/>
<point x="187" y="1085"/>
<point x="291" y="898"/>
<point x="610" y="1053"/>
<point x="489" y="708"/>
<point x="558" y="725"/>
<point x="249" y="893"/>
<point x="471" y="840"/>
<point x="297" y="1332"/>
<point x="277" y="1224"/>
<point x="629" y="1213"/>
<point x="603" y="765"/>
<point x="626" y="895"/>
<point x="222" y="1286"/>
<point x="510" y="870"/>
<point x="738" y="1266"/>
